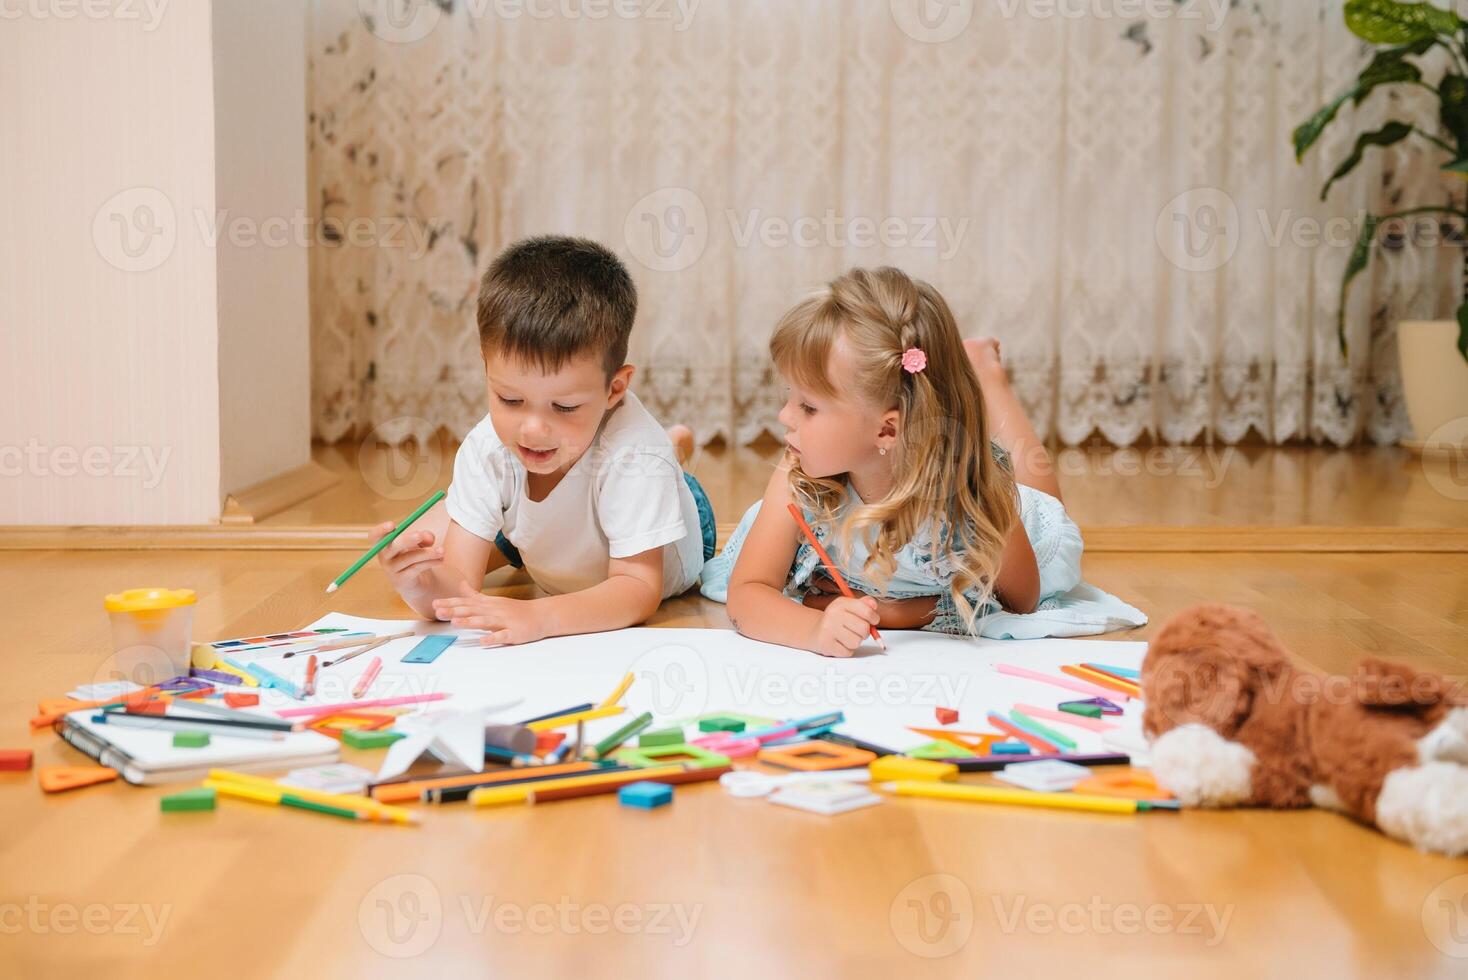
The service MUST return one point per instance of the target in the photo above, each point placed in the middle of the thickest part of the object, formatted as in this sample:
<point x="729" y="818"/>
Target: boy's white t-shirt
<point x="625" y="495"/>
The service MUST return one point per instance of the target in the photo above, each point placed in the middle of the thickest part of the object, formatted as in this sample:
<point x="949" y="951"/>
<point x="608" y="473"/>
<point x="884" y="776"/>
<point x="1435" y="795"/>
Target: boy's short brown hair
<point x="550" y="298"/>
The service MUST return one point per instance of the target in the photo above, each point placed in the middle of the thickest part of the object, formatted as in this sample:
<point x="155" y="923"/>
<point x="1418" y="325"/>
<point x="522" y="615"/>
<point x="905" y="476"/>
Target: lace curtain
<point x="1115" y="199"/>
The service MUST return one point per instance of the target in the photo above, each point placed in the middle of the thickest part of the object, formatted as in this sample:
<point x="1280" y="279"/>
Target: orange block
<point x="56" y="779"/>
<point x="15" y="760"/>
<point x="235" y="700"/>
<point x="548" y="741"/>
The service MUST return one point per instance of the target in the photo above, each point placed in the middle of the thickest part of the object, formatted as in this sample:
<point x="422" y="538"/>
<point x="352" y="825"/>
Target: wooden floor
<point x="99" y="883"/>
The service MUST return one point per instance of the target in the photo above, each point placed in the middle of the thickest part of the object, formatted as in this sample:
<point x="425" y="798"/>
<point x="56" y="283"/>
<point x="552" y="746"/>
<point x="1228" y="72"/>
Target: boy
<point x="568" y="476"/>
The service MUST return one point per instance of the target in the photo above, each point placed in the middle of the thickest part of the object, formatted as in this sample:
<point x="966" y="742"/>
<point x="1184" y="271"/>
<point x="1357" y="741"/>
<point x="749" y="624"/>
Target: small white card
<point x="1046" y="776"/>
<point x="336" y="778"/>
<point x="829" y="798"/>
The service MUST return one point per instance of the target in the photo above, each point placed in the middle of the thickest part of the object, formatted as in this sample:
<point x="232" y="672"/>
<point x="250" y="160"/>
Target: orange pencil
<point x="830" y="565"/>
<point x="310" y="686"/>
<point x="1103" y="680"/>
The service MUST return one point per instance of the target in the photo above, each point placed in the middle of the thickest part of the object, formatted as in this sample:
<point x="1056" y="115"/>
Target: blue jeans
<point x="705" y="525"/>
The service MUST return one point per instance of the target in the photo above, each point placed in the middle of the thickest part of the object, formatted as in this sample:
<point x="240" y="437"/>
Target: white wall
<point x="122" y="327"/>
<point x="260" y="175"/>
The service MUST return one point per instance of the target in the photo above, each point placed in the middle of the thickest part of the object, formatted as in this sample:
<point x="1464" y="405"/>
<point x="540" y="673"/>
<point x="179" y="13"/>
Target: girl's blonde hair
<point x="946" y="477"/>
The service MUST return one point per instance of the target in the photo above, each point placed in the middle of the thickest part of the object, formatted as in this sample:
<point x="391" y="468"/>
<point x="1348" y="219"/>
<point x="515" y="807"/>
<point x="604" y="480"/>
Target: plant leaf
<point x="1392" y="132"/>
<point x="1309" y="131"/>
<point x="1453" y="112"/>
<point x="1457" y="167"/>
<point x="1386" y="67"/>
<point x="1391" y="22"/>
<point x="1360" y="256"/>
<point x="1463" y="330"/>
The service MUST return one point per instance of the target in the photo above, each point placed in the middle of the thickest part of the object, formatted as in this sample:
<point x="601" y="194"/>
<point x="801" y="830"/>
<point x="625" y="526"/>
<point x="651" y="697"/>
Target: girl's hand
<point x="410" y="560"/>
<point x="843" y="625"/>
<point x="505" y="620"/>
<point x="900" y="614"/>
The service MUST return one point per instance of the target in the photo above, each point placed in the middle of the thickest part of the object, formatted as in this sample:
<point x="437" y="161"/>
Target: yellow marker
<point x="561" y="721"/>
<point x="518" y="793"/>
<point x="369" y="807"/>
<point x="896" y="767"/>
<point x="1018" y="797"/>
<point x="616" y="695"/>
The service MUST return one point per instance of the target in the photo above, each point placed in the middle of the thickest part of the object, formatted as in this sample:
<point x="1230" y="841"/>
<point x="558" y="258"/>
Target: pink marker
<point x="1065" y="682"/>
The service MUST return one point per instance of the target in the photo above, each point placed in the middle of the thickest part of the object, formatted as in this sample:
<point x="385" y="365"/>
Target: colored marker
<point x="386" y="540"/>
<point x="368" y="676"/>
<point x="311" y="675"/>
<point x="969" y="793"/>
<point x="830" y="566"/>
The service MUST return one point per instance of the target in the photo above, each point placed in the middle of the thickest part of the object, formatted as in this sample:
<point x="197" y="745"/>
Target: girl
<point x="889" y="458"/>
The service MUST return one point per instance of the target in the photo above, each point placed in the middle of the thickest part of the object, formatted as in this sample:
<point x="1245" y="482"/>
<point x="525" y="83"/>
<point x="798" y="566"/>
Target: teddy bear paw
<point x="1202" y="768"/>
<point x="1447" y="742"/>
<point x="1426" y="806"/>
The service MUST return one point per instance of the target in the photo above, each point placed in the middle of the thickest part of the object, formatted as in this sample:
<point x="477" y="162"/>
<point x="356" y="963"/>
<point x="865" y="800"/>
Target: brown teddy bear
<point x="1232" y="723"/>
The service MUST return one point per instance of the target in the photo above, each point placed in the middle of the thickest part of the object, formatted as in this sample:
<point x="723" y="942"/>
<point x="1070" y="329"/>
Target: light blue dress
<point x="1067" y="607"/>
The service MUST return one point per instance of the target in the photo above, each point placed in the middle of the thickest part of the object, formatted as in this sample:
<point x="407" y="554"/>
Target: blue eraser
<point x="645" y="795"/>
<point x="1009" y="748"/>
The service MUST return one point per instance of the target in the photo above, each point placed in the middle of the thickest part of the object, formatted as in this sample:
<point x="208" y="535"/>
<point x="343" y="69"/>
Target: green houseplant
<point x="1404" y="32"/>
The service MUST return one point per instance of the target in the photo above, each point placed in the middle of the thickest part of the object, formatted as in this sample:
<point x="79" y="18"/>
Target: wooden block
<point x="720" y="723"/>
<point x="645" y="795"/>
<point x="58" y="779"/>
<point x="548" y="741"/>
<point x="891" y="768"/>
<point x="190" y="740"/>
<point x="190" y="799"/>
<point x="946" y="716"/>
<point x="241" y="700"/>
<point x="362" y="738"/>
<point x="15" y="760"/>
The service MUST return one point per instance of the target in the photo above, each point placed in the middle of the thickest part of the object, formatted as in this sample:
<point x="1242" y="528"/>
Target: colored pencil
<point x="561" y="721"/>
<point x="458" y="794"/>
<point x="830" y="565"/>
<point x="616" y="695"/>
<point x="969" y="793"/>
<point x="856" y="743"/>
<point x="217" y="712"/>
<point x="559" y="713"/>
<point x="1066" y="718"/>
<point x="384" y="541"/>
<point x="1036" y="742"/>
<point x="413" y="789"/>
<point x="370" y="808"/>
<point x="368" y="676"/>
<point x="277" y="798"/>
<point x="327" y="709"/>
<point x="550" y="795"/>
<point x="1068" y="683"/>
<point x="609" y="744"/>
<point x="993" y="763"/>
<point x="1103" y="680"/>
<point x="1049" y="734"/>
<point x="224" y="729"/>
<point x="496" y="795"/>
<point x="1122" y="673"/>
<point x="311" y="667"/>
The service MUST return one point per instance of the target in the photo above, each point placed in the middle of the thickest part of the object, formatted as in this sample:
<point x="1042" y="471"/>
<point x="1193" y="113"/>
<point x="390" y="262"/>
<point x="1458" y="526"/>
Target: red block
<point x="241" y="700"/>
<point x="947" y="716"/>
<point x="548" y="741"/>
<point x="15" y="760"/>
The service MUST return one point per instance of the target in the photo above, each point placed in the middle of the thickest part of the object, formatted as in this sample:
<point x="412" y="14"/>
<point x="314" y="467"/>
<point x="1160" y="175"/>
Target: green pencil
<point x="1044" y="731"/>
<point x="619" y="736"/>
<point x="386" y="540"/>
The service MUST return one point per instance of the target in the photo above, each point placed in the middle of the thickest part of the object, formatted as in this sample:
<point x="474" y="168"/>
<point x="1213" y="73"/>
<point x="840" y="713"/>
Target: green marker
<point x="1044" y="731"/>
<point x="619" y="736"/>
<point x="388" y="539"/>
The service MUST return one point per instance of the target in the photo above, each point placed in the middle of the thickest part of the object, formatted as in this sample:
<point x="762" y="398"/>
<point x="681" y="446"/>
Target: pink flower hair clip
<point x="914" y="359"/>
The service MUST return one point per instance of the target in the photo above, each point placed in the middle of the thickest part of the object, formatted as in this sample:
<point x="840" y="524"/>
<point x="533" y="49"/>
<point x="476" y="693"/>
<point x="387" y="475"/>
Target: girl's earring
<point x="882" y="450"/>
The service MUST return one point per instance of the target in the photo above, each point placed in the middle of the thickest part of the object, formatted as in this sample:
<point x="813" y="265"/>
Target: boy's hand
<point x="409" y="560"/>
<point x="505" y="620"/>
<point x="843" y="625"/>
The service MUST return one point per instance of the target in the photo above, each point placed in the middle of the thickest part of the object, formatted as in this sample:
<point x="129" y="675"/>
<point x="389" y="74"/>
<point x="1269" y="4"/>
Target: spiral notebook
<point x="145" y="757"/>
